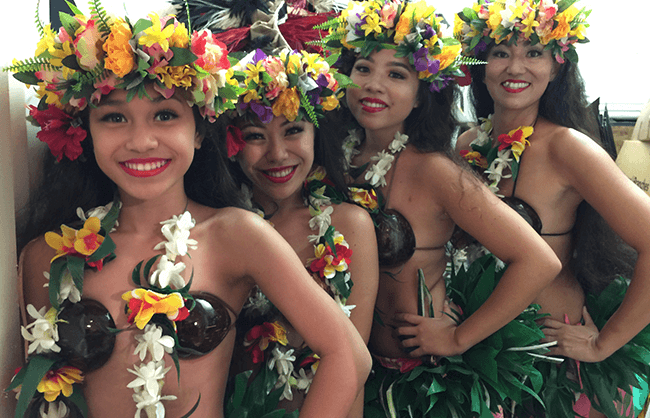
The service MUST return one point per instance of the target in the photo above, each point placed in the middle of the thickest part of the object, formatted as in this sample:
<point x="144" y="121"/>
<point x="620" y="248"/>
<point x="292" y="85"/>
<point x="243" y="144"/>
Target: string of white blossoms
<point x="376" y="175"/>
<point x="150" y="376"/>
<point x="502" y="161"/>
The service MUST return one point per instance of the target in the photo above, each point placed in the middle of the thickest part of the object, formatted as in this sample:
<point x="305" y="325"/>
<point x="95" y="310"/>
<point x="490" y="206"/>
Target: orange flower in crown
<point x="91" y="56"/>
<point x="556" y="24"/>
<point x="412" y="29"/>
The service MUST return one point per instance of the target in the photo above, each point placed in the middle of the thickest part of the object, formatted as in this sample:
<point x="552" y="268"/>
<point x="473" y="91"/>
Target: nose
<point x="277" y="150"/>
<point x="374" y="82"/>
<point x="516" y="65"/>
<point x="142" y="138"/>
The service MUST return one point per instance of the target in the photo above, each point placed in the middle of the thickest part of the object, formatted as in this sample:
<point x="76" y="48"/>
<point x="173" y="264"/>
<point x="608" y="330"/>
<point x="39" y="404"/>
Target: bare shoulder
<point x="569" y="147"/>
<point x="234" y="224"/>
<point x="350" y="216"/>
<point x="466" y="138"/>
<point x="35" y="260"/>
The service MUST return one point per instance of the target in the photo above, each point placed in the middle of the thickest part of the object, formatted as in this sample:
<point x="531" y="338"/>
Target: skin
<point x="562" y="168"/>
<point x="282" y="146"/>
<point x="433" y="208"/>
<point x="165" y="129"/>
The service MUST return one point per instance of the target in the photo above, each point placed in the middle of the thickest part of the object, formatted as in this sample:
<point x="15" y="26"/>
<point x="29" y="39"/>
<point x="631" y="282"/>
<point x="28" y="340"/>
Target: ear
<point x="198" y="139"/>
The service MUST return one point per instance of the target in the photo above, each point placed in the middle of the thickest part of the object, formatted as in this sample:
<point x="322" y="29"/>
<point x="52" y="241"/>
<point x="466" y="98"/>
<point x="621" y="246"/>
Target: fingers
<point x="587" y="317"/>
<point x="410" y="318"/>
<point x="406" y="331"/>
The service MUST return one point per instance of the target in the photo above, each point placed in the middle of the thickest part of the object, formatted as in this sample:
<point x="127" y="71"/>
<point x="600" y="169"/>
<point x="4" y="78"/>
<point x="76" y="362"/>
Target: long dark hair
<point x="430" y="126"/>
<point x="66" y="185"/>
<point x="599" y="254"/>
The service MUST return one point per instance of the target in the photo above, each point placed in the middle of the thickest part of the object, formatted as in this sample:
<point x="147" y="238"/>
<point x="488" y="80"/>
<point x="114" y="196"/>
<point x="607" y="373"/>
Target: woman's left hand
<point x="578" y="342"/>
<point x="431" y="336"/>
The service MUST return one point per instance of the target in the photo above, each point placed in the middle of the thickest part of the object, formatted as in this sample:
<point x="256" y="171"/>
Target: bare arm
<point x="532" y="264"/>
<point x="626" y="208"/>
<point x="277" y="270"/>
<point x="356" y="226"/>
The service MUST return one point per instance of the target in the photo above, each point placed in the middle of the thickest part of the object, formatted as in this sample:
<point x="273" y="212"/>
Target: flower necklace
<point x="384" y="159"/>
<point x="331" y="262"/>
<point x="495" y="159"/>
<point x="153" y="309"/>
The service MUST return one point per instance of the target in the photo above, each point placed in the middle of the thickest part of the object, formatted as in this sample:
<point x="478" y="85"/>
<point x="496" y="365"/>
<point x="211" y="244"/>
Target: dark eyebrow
<point x="115" y="102"/>
<point x="399" y="64"/>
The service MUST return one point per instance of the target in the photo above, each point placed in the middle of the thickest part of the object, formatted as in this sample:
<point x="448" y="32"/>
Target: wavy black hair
<point x="66" y="185"/>
<point x="600" y="255"/>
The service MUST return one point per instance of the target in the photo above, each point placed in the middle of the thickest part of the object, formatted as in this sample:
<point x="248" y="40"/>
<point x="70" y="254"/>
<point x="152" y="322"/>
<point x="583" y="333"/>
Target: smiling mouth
<point x="373" y="106"/>
<point x="281" y="174"/>
<point x="145" y="168"/>
<point x="512" y="86"/>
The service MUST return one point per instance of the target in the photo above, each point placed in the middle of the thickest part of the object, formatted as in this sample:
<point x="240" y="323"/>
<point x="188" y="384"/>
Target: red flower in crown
<point x="234" y="140"/>
<point x="59" y="132"/>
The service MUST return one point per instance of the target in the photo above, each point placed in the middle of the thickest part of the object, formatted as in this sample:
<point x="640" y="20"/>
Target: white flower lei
<point x="376" y="174"/>
<point x="43" y="335"/>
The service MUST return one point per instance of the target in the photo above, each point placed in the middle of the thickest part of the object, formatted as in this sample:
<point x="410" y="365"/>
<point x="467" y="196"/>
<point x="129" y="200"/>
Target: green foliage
<point x="98" y="13"/>
<point x="29" y="65"/>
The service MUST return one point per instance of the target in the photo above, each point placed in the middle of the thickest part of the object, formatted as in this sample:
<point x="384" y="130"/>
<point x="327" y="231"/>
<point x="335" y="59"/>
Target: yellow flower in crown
<point x="295" y="84"/>
<point x="556" y="24"/>
<point x="92" y="55"/>
<point x="59" y="381"/>
<point x="412" y="29"/>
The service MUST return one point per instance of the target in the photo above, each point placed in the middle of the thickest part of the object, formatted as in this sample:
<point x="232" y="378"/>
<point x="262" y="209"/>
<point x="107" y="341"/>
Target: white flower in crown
<point x="507" y="20"/>
<point x="67" y="289"/>
<point x="377" y="173"/>
<point x="150" y="377"/>
<point x="168" y="274"/>
<point x="54" y="410"/>
<point x="177" y="233"/>
<point x="320" y="221"/>
<point x="399" y="143"/>
<point x="153" y="341"/>
<point x="44" y="333"/>
<point x="151" y="405"/>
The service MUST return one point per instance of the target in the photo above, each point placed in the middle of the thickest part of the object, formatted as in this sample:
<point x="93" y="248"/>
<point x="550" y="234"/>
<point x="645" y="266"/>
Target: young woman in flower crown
<point x="404" y="69"/>
<point x="129" y="319"/>
<point x="533" y="147"/>
<point x="281" y="156"/>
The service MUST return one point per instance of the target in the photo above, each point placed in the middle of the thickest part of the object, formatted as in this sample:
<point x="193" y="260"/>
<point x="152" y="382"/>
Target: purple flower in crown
<point x="428" y="32"/>
<point x="264" y="113"/>
<point x="442" y="82"/>
<point x="480" y="47"/>
<point x="258" y="56"/>
<point x="421" y="61"/>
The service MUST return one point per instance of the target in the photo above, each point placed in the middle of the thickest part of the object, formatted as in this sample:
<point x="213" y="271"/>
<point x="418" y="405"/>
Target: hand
<point x="578" y="342"/>
<point x="431" y="336"/>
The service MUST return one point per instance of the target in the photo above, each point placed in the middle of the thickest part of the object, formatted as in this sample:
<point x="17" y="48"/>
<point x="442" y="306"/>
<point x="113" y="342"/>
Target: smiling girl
<point x="285" y="161"/>
<point x="531" y="102"/>
<point x="125" y="302"/>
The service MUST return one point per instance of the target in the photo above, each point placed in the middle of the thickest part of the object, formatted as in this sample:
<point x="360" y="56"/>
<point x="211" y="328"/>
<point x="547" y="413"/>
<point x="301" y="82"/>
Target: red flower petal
<point x="234" y="140"/>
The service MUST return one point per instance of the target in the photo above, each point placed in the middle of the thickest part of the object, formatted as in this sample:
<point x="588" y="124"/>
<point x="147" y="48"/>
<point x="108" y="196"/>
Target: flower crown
<point x="295" y="84"/>
<point x="91" y="56"/>
<point x="557" y="25"/>
<point x="411" y="29"/>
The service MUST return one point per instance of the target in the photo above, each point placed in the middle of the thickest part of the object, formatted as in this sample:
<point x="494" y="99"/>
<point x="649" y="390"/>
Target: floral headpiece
<point x="91" y="56"/>
<point x="557" y="25"/>
<point x="411" y="29"/>
<point x="295" y="84"/>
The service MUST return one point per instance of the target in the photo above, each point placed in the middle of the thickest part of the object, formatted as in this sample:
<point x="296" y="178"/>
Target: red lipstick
<point x="277" y="174"/>
<point x="372" y="105"/>
<point x="145" y="167"/>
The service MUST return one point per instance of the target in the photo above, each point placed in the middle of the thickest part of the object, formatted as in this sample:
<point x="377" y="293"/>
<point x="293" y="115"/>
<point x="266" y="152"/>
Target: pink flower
<point x="58" y="132"/>
<point x="88" y="46"/>
<point x="234" y="140"/>
<point x="388" y="13"/>
<point x="212" y="53"/>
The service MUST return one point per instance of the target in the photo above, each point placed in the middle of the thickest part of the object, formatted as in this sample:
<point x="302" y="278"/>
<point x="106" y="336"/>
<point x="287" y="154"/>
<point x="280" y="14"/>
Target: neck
<point x="142" y="216"/>
<point x="505" y="120"/>
<point x="278" y="207"/>
<point x="377" y="141"/>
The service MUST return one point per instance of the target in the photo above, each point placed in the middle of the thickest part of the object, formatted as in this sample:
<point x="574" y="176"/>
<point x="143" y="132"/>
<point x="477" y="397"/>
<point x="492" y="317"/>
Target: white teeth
<point x="371" y="104"/>
<point x="515" y="85"/>
<point x="281" y="173"/>
<point x="147" y="166"/>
